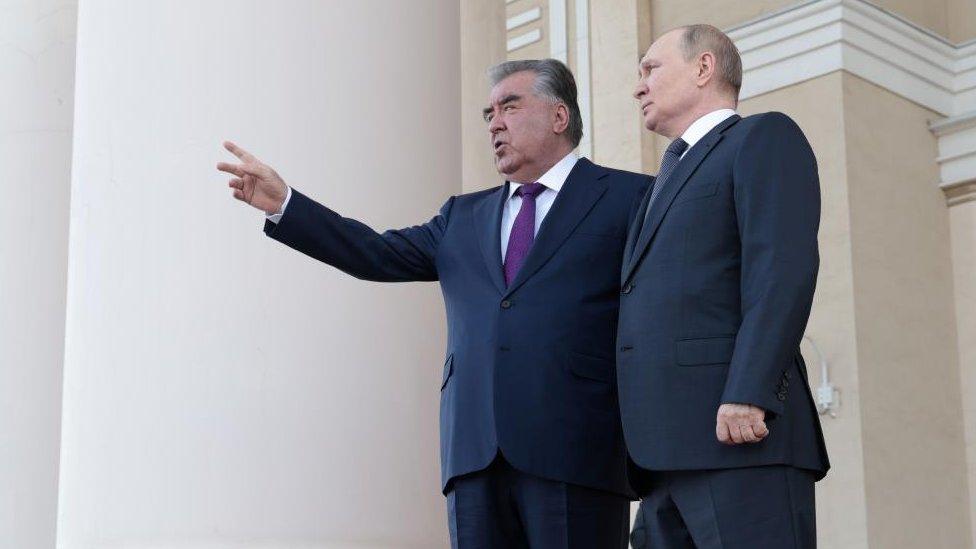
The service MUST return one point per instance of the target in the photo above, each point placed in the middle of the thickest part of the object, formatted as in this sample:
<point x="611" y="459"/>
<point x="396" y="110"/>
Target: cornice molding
<point x="957" y="156"/>
<point x="822" y="36"/>
<point x="961" y="193"/>
<point x="819" y="37"/>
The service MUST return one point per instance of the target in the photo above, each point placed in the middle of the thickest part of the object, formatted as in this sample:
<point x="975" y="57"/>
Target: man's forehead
<point x="519" y="84"/>
<point x="650" y="55"/>
<point x="660" y="45"/>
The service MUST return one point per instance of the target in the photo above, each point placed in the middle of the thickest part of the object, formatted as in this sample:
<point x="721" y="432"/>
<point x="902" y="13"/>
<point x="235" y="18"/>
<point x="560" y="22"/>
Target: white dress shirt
<point x="275" y="218"/>
<point x="553" y="180"/>
<point x="703" y="125"/>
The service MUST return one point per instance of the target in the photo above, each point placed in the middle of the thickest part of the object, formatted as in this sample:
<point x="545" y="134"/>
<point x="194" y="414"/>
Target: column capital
<point x="957" y="156"/>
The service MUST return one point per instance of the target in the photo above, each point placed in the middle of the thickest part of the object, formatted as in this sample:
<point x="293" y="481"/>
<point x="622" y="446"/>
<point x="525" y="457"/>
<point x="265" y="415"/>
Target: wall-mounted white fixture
<point x="828" y="396"/>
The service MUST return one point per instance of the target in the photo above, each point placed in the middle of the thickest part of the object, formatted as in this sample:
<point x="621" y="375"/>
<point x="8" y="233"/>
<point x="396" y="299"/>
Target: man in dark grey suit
<point x="718" y="279"/>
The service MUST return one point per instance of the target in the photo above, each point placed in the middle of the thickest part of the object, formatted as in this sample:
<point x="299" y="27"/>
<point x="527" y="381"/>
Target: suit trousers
<point x="767" y="507"/>
<point x="502" y="508"/>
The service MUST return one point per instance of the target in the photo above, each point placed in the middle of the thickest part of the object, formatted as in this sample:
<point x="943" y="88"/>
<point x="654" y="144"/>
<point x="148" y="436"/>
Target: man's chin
<point x="504" y="168"/>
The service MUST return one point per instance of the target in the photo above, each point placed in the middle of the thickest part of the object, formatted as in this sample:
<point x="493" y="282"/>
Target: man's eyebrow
<point x="507" y="99"/>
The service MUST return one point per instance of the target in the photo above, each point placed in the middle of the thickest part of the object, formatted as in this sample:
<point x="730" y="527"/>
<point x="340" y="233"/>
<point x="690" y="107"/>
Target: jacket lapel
<point x="636" y="224"/>
<point x="487" y="218"/>
<point x="686" y="167"/>
<point x="579" y="193"/>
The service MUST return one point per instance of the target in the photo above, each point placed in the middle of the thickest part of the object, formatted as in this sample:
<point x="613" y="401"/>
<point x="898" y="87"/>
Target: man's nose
<point x="496" y="125"/>
<point x="640" y="89"/>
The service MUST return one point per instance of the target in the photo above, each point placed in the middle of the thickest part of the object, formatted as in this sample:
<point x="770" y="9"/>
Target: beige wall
<point x="932" y="15"/>
<point x="906" y="331"/>
<point x="962" y="20"/>
<point x="667" y="14"/>
<point x="536" y="50"/>
<point x="952" y="19"/>
<point x="482" y="45"/>
<point x="620" y="31"/>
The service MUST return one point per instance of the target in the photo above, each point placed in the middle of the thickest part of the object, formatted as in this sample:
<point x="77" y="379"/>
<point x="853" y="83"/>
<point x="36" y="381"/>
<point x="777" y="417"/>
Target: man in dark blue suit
<point x="532" y="451"/>
<point x="718" y="279"/>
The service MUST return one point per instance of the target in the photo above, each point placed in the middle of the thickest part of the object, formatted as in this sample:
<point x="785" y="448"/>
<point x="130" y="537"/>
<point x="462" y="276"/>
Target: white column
<point x="37" y="47"/>
<point x="222" y="390"/>
<point x="962" y="219"/>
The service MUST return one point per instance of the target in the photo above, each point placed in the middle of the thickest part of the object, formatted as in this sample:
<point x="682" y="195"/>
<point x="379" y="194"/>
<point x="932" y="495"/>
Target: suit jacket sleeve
<point x="354" y="248"/>
<point x="777" y="205"/>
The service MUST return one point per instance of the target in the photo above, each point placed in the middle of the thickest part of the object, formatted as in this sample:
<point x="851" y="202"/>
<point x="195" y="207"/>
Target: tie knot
<point x="531" y="190"/>
<point x="677" y="147"/>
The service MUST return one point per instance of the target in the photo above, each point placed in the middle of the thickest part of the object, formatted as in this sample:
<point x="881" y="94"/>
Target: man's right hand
<point x="255" y="183"/>
<point x="740" y="423"/>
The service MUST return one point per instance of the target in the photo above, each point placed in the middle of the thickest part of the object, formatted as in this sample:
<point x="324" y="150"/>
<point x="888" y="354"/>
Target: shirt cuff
<point x="276" y="217"/>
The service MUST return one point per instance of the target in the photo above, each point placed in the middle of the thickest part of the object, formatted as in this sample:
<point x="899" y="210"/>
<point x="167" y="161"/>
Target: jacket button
<point x="626" y="289"/>
<point x="506" y="304"/>
<point x="626" y="348"/>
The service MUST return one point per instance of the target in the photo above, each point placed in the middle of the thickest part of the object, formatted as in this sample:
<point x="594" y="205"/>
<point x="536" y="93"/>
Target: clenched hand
<point x="740" y="423"/>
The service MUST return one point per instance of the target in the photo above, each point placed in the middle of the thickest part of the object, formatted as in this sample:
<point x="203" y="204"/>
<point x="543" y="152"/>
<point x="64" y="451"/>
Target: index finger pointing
<point x="238" y="152"/>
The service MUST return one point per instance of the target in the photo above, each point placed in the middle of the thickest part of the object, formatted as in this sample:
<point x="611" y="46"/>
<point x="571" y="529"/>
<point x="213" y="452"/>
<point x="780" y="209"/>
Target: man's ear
<point x="560" y="120"/>
<point x="706" y="68"/>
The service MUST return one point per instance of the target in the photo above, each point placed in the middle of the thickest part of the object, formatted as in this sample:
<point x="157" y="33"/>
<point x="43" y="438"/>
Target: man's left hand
<point x="740" y="424"/>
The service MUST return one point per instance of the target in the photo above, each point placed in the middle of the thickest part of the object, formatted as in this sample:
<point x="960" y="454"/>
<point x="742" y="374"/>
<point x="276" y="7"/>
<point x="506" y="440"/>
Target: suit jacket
<point x="716" y="293"/>
<point x="529" y="368"/>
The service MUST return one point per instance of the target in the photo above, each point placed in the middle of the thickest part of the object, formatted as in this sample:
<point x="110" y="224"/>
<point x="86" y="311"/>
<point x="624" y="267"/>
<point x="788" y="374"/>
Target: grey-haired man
<point x="532" y="452"/>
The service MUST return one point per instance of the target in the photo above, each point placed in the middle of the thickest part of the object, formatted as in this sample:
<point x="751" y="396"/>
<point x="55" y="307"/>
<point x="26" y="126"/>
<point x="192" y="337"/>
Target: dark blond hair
<point x="698" y="39"/>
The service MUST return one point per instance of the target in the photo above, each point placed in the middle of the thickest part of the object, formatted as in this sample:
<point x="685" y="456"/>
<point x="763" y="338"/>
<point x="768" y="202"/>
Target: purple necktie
<point x="523" y="231"/>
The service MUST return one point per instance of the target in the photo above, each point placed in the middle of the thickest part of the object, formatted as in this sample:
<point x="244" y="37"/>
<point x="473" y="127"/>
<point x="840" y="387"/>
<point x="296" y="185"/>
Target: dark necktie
<point x="668" y="163"/>
<point x="523" y="231"/>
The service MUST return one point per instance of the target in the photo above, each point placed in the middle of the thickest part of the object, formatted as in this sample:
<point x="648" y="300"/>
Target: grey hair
<point x="553" y="81"/>
<point x="697" y="39"/>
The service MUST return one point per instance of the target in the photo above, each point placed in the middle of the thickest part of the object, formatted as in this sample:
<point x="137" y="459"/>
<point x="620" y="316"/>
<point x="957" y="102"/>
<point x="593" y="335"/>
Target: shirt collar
<point x="705" y="124"/>
<point x="555" y="177"/>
